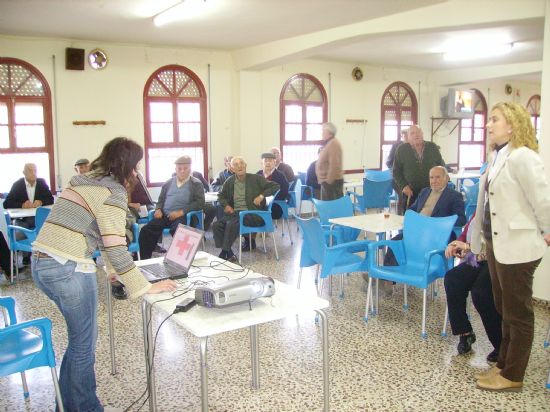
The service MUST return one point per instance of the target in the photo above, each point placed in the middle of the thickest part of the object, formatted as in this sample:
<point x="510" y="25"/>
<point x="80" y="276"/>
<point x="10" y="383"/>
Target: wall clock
<point x="97" y="59"/>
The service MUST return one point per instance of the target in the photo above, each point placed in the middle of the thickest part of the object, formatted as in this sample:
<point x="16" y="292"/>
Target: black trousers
<point x="4" y="255"/>
<point x="332" y="191"/>
<point x="463" y="279"/>
<point x="150" y="233"/>
<point x="226" y="229"/>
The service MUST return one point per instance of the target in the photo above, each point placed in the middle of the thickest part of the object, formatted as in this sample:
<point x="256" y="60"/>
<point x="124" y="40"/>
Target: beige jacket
<point x="329" y="165"/>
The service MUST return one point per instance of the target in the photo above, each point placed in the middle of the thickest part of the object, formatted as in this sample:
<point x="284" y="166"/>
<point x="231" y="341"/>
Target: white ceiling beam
<point x="474" y="74"/>
<point x="443" y="16"/>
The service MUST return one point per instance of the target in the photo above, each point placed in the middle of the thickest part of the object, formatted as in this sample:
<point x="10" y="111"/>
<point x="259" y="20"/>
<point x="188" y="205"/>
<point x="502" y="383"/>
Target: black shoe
<point x="26" y="260"/>
<point x="246" y="245"/>
<point x="118" y="290"/>
<point x="159" y="249"/>
<point x="493" y="356"/>
<point x="223" y="255"/>
<point x="465" y="343"/>
<point x="230" y="256"/>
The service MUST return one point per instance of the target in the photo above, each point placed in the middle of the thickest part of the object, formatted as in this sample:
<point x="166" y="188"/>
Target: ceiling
<point x="262" y="33"/>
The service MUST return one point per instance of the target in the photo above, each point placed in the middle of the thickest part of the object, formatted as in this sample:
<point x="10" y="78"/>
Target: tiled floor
<point x="380" y="366"/>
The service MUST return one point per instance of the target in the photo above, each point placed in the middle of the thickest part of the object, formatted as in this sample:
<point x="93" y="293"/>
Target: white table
<point x="204" y="322"/>
<point x="21" y="213"/>
<point x="211" y="197"/>
<point x="463" y="175"/>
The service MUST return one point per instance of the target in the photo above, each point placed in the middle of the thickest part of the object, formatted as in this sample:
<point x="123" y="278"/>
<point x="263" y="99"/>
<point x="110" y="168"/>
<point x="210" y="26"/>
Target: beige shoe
<point x="499" y="383"/>
<point x="487" y="374"/>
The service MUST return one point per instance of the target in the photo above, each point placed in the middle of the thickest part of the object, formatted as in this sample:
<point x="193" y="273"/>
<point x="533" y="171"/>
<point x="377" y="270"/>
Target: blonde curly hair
<point x="523" y="133"/>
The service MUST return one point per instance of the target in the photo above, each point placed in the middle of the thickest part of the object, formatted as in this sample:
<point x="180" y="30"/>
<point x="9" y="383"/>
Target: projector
<point x="234" y="292"/>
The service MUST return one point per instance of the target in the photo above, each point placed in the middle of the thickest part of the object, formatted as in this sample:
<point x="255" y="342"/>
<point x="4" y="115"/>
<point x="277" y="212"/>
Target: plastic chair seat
<point x="18" y="349"/>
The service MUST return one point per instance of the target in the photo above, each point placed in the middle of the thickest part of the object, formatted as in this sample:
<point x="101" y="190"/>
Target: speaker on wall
<point x="74" y="59"/>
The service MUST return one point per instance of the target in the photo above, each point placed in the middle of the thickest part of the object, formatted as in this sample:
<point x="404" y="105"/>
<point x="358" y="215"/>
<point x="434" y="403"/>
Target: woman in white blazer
<point x="512" y="226"/>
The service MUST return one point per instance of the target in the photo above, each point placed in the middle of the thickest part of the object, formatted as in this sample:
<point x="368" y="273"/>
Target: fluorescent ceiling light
<point x="183" y="10"/>
<point x="472" y="51"/>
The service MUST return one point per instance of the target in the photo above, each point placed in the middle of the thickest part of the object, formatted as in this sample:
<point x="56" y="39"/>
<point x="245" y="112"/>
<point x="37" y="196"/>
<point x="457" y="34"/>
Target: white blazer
<point x="519" y="197"/>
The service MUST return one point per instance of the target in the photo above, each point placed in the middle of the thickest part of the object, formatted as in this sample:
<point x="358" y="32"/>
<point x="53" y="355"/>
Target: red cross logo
<point x="184" y="246"/>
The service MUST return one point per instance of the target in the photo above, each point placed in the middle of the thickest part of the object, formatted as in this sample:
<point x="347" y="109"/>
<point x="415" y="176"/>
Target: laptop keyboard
<point x="158" y="270"/>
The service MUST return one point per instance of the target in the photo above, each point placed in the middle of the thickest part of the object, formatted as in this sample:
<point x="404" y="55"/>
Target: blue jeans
<point x="75" y="294"/>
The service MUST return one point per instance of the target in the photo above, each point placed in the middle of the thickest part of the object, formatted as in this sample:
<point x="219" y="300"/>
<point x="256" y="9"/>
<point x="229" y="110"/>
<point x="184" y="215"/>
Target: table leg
<point x="148" y="347"/>
<point x="111" y="325"/>
<point x="255" y="353"/>
<point x="204" y="374"/>
<point x="326" y="388"/>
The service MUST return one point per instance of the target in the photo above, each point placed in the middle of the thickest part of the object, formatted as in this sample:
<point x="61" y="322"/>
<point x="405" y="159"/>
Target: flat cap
<point x="183" y="160"/>
<point x="81" y="162"/>
<point x="268" y="155"/>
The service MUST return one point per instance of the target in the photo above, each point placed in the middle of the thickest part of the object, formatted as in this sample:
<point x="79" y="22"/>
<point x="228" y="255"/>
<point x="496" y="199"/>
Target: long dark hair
<point x="119" y="158"/>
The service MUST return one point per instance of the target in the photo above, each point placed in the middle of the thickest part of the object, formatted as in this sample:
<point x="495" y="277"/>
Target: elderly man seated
<point x="242" y="191"/>
<point x="438" y="200"/>
<point x="28" y="192"/>
<point x="223" y="175"/>
<point x="281" y="166"/>
<point x="180" y="194"/>
<point x="82" y="166"/>
<point x="272" y="174"/>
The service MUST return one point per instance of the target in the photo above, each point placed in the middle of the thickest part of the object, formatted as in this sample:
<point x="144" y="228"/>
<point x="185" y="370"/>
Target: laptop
<point x="178" y="259"/>
<point x="140" y="194"/>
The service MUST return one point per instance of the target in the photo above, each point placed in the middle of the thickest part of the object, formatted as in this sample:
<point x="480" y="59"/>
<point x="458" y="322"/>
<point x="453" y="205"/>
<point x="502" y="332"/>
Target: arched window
<point x="26" y="133"/>
<point x="174" y="105"/>
<point x="471" y="146"/>
<point x="533" y="106"/>
<point x="399" y="110"/>
<point x="303" y="104"/>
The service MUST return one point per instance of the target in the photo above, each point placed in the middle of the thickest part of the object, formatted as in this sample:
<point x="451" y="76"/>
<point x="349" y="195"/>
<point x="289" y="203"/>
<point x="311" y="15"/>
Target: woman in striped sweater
<point x="90" y="214"/>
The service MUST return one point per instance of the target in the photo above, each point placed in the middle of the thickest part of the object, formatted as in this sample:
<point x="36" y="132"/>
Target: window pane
<point x="385" y="153"/>
<point x="190" y="132"/>
<point x="390" y="133"/>
<point x="29" y="113"/>
<point x="162" y="132"/>
<point x="466" y="123"/>
<point x="189" y="112"/>
<point x="314" y="114"/>
<point x="471" y="156"/>
<point x="479" y="120"/>
<point x="466" y="134"/>
<point x="4" y="137"/>
<point x="293" y="132"/>
<point x="300" y="156"/>
<point x="314" y="132"/>
<point x="293" y="113"/>
<point x="30" y="136"/>
<point x="161" y="162"/>
<point x="161" y="112"/>
<point x="12" y="167"/>
<point x="479" y="134"/>
<point x="3" y="113"/>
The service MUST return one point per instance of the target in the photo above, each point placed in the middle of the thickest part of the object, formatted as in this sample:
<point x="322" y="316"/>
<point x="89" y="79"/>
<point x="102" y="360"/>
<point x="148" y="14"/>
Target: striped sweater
<point x="90" y="214"/>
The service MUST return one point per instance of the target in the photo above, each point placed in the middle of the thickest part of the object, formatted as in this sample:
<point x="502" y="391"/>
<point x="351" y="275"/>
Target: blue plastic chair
<point x="283" y="204"/>
<point x="267" y="227"/>
<point x="21" y="349"/>
<point x="329" y="209"/>
<point x="471" y="193"/>
<point x="15" y="245"/>
<point x="300" y="193"/>
<point x="483" y="168"/>
<point x="133" y="246"/>
<point x="376" y="195"/>
<point x="420" y="255"/>
<point x="197" y="213"/>
<point x="378" y="175"/>
<point x="333" y="260"/>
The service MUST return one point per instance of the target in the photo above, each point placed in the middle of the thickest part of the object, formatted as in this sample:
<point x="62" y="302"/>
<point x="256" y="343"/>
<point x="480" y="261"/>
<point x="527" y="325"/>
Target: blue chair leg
<point x="444" y="330"/>
<point x="369" y="294"/>
<point x="424" y="299"/>
<point x="406" y="303"/>
<point x="342" y="286"/>
<point x="25" y="386"/>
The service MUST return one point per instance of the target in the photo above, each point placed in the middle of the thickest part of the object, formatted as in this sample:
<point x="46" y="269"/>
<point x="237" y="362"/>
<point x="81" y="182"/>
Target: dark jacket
<point x="311" y="177"/>
<point x="280" y="179"/>
<point x="197" y="195"/>
<point x="407" y="170"/>
<point x="220" y="180"/>
<point x="450" y="203"/>
<point x="199" y="176"/>
<point x="18" y="194"/>
<point x="255" y="185"/>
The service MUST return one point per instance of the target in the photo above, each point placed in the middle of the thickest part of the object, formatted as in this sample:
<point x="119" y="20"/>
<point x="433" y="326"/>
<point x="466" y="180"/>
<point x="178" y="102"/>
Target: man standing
<point x="242" y="191"/>
<point x="282" y="167"/>
<point x="329" y="165"/>
<point x="181" y="194"/>
<point x="413" y="161"/>
<point x="272" y="174"/>
<point x="27" y="193"/>
<point x="82" y="166"/>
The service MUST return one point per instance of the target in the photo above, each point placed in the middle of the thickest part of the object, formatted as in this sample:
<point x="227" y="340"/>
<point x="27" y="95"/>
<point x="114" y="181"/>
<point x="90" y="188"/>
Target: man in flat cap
<point x="281" y="166"/>
<point x="82" y="166"/>
<point x="271" y="173"/>
<point x="242" y="191"/>
<point x="180" y="194"/>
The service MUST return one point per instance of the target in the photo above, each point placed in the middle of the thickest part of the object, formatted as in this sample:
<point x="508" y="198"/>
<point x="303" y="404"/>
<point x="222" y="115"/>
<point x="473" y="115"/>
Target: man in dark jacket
<point x="242" y="191"/>
<point x="180" y="194"/>
<point x="272" y="174"/>
<point x="27" y="193"/>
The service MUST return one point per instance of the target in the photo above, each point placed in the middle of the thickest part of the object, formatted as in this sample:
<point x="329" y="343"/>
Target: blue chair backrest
<point x="471" y="192"/>
<point x="302" y="177"/>
<point x="41" y="215"/>
<point x="378" y="175"/>
<point x="313" y="246"/>
<point x="483" y="168"/>
<point x="329" y="209"/>
<point x="8" y="303"/>
<point x="376" y="193"/>
<point x="423" y="234"/>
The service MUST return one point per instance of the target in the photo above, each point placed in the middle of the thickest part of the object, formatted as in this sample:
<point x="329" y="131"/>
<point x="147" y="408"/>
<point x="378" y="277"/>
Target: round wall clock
<point x="97" y="59"/>
<point x="357" y="73"/>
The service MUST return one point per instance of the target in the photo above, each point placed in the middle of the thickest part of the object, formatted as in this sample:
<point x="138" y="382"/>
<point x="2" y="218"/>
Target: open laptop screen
<point x="184" y="246"/>
<point x="140" y="194"/>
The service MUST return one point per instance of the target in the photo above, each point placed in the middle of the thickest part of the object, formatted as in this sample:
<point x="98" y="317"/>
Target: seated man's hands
<point x="175" y="215"/>
<point x="258" y="199"/>
<point x="37" y="203"/>
<point x="134" y="205"/>
<point x="158" y="214"/>
<point x="26" y="204"/>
